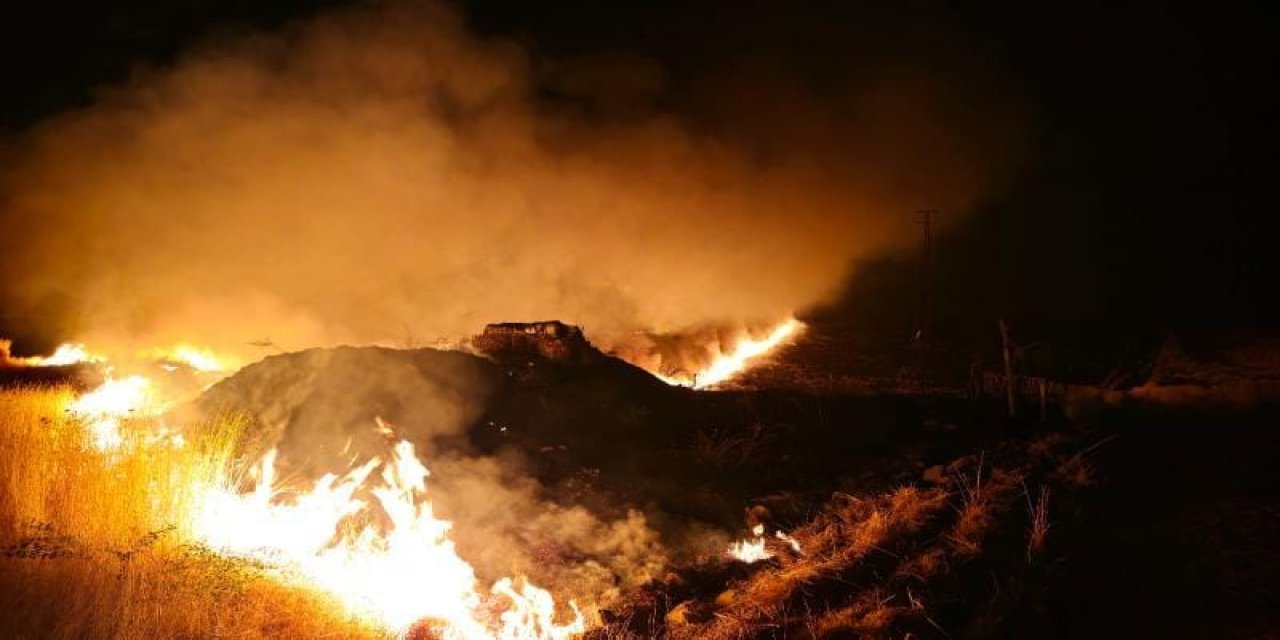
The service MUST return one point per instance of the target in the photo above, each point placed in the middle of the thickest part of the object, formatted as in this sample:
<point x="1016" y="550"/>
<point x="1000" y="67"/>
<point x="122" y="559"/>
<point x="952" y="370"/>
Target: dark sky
<point x="1141" y="198"/>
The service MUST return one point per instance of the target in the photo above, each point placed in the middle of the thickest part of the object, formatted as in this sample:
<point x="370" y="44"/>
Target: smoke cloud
<point x="380" y="174"/>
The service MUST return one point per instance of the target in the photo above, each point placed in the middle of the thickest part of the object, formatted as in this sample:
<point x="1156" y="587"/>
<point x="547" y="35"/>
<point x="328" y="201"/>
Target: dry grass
<point x="840" y="539"/>
<point x="882" y="566"/>
<point x="1038" y="514"/>
<point x="97" y="546"/>
<point x="55" y="480"/>
<point x="981" y="500"/>
<point x="729" y="448"/>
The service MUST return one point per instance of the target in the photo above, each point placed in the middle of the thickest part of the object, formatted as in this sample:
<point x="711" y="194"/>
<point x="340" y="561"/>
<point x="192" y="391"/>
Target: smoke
<point x="381" y="175"/>
<point x="509" y="527"/>
<point x="318" y="407"/>
<point x="320" y="410"/>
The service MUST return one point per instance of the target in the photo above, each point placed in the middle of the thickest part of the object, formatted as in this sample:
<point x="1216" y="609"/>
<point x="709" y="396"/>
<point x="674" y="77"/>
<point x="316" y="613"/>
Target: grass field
<point x="98" y="545"/>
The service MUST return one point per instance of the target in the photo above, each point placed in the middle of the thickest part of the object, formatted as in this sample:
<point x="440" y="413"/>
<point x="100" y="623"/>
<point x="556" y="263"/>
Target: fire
<point x="386" y="558"/>
<point x="67" y="353"/>
<point x="727" y="365"/>
<point x="133" y="396"/>
<point x="193" y="357"/>
<point x="397" y="575"/>
<point x="753" y="549"/>
<point x="196" y="358"/>
<point x="104" y="407"/>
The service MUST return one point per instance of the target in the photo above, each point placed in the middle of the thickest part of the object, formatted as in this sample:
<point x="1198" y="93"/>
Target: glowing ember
<point x="728" y="365"/>
<point x="405" y="572"/>
<point x="104" y="407"/>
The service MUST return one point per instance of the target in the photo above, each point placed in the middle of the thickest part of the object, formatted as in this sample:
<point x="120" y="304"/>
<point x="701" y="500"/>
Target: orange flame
<point x="67" y="353"/>
<point x="104" y="407"/>
<point x="753" y="549"/>
<point x="726" y="366"/>
<point x="407" y="573"/>
<point x="196" y="358"/>
<point x="396" y="575"/>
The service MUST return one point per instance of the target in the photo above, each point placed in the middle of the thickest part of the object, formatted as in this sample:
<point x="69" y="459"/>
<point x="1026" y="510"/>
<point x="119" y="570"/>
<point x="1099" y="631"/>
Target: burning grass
<point x="120" y="541"/>
<point x="148" y="533"/>
<point x="100" y="546"/>
<point x="947" y="557"/>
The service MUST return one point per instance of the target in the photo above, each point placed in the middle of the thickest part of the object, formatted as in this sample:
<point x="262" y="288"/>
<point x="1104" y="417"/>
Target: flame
<point x="753" y="549"/>
<point x="188" y="355"/>
<point x="403" y="573"/>
<point x="183" y="354"/>
<point x="727" y="365"/>
<point x="115" y="399"/>
<point x="387" y="558"/>
<point x="67" y="353"/>
<point x="134" y="396"/>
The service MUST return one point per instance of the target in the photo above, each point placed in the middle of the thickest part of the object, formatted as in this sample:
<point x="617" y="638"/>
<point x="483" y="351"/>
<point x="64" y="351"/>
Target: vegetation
<point x="96" y="545"/>
<point x="951" y="555"/>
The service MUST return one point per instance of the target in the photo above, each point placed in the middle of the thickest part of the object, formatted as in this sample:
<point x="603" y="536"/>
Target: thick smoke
<point x="380" y="174"/>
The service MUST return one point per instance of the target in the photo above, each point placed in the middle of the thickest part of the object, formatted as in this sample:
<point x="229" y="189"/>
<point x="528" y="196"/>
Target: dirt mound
<point x="318" y="407"/>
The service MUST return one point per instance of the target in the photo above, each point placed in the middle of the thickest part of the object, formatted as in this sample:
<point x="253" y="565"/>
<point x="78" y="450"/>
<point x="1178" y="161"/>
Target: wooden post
<point x="1007" y="352"/>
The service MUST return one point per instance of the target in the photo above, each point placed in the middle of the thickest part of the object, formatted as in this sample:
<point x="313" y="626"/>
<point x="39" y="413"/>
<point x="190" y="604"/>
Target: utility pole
<point x="924" y="319"/>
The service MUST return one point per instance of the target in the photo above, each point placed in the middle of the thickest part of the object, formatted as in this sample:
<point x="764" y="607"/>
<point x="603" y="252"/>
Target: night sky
<point x="1138" y="204"/>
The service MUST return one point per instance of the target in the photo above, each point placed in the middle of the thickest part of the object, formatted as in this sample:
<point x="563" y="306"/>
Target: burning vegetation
<point x="279" y="412"/>
<point x="365" y="537"/>
<point x="302" y="482"/>
<point x="394" y="155"/>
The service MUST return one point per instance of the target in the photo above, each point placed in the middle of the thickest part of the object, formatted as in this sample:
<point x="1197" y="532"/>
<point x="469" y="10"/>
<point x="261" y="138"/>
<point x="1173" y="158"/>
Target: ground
<point x="918" y="515"/>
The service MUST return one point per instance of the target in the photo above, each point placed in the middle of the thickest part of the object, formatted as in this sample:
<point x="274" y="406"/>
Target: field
<point x="905" y="516"/>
